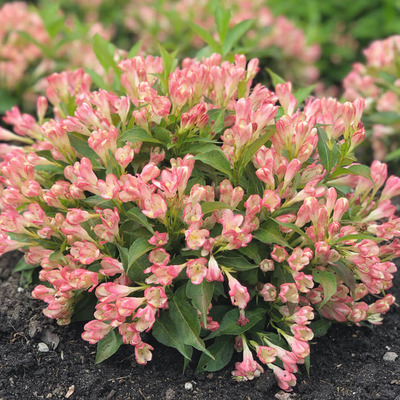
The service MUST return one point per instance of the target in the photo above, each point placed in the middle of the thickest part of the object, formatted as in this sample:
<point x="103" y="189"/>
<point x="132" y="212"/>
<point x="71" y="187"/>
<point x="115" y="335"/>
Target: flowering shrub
<point x="35" y="43"/>
<point x="216" y="215"/>
<point x="191" y="23"/>
<point x="378" y="81"/>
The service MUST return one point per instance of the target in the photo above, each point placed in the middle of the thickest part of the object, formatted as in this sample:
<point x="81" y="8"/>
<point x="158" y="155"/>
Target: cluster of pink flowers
<point x="378" y="81"/>
<point x="23" y="36"/>
<point x="277" y="37"/>
<point x="17" y="53"/>
<point x="197" y="179"/>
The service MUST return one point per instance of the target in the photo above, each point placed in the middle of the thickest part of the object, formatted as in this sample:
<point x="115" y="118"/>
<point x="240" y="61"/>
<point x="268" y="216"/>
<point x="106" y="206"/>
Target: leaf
<point x="222" y="19"/>
<point x="235" y="34"/>
<point x="361" y="170"/>
<point x="307" y="364"/>
<point x="206" y="36"/>
<point x="96" y="78"/>
<point x="252" y="251"/>
<point x="275" y="77"/>
<point x="218" y="116"/>
<point x="211" y="206"/>
<point x="163" y="135"/>
<point x="104" y="51"/>
<point x="108" y="346"/>
<point x="291" y="226"/>
<point x="217" y="160"/>
<point x="229" y="325"/>
<point x="270" y="233"/>
<point x="168" y="61"/>
<point x="165" y="331"/>
<point x="394" y="155"/>
<point x="52" y="19"/>
<point x="346" y="275"/>
<point x="320" y="327"/>
<point x="81" y="146"/>
<point x="201" y="296"/>
<point x="328" y="282"/>
<point x="84" y="308"/>
<point x="222" y="350"/>
<point x="238" y="263"/>
<point x="23" y="266"/>
<point x="138" y="248"/>
<point x="255" y="146"/>
<point x="136" y="215"/>
<point x="187" y="323"/>
<point x="302" y="93"/>
<point x="328" y="156"/>
<point x="357" y="236"/>
<point x="133" y="52"/>
<point x="136" y="134"/>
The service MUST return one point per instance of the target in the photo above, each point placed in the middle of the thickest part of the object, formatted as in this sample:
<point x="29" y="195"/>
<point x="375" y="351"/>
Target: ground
<point x="348" y="363"/>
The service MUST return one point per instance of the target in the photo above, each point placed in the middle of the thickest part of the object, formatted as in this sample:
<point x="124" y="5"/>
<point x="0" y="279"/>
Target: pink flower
<point x="85" y="252"/>
<point x="214" y="273"/>
<point x="95" y="331"/>
<point x="289" y="293"/>
<point x="239" y="293"/>
<point x="279" y="253"/>
<point x="196" y="270"/>
<point x="143" y="353"/>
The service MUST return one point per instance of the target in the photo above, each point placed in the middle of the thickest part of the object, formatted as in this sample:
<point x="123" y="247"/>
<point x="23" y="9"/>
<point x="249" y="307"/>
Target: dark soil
<point x="348" y="363"/>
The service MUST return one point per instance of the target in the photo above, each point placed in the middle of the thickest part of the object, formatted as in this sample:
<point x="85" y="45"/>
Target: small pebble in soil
<point x="20" y="290"/>
<point x="170" y="394"/>
<point x="188" y="386"/>
<point x="390" y="356"/>
<point x="43" y="348"/>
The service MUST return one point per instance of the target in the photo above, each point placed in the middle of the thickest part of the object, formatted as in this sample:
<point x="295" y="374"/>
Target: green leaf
<point x="394" y="155"/>
<point x="328" y="282"/>
<point x="301" y="94"/>
<point x="136" y="134"/>
<point x="163" y="135"/>
<point x="320" y="327"/>
<point x="23" y="266"/>
<point x="307" y="364"/>
<point x="238" y="263"/>
<point x="222" y="19"/>
<point x="248" y="154"/>
<point x="217" y="160"/>
<point x="201" y="296"/>
<point x="84" y="308"/>
<point x="229" y="325"/>
<point x="52" y="19"/>
<point x="275" y="77"/>
<point x="269" y="233"/>
<point x="222" y="350"/>
<point x="235" y="34"/>
<point x="135" y="213"/>
<point x="346" y="275"/>
<point x="187" y="323"/>
<point x="358" y="237"/>
<point x="138" y="248"/>
<point x="328" y="156"/>
<point x="252" y="251"/>
<point x="104" y="51"/>
<point x="218" y="116"/>
<point x="206" y="36"/>
<point x="96" y="78"/>
<point x="168" y="61"/>
<point x="361" y="170"/>
<point x="133" y="52"/>
<point x="291" y="226"/>
<point x="211" y="206"/>
<point x="81" y="146"/>
<point x="108" y="346"/>
<point x="165" y="331"/>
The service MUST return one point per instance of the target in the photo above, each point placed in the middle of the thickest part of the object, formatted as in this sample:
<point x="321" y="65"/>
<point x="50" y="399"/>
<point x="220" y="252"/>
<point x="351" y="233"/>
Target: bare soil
<point x="347" y="363"/>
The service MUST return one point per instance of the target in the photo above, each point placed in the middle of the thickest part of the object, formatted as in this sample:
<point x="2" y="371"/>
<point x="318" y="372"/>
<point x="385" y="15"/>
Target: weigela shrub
<point x="378" y="81"/>
<point x="215" y="215"/>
